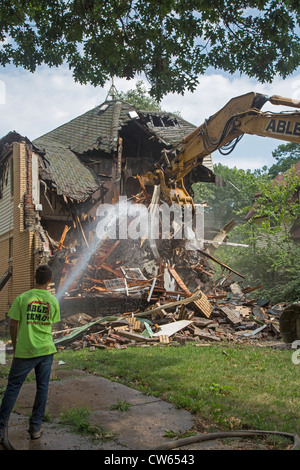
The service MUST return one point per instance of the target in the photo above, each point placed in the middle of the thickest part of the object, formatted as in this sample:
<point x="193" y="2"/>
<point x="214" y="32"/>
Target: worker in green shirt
<point x="31" y="317"/>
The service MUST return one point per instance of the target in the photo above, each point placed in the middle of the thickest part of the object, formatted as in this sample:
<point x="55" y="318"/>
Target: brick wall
<point x="28" y="239"/>
<point x="23" y="238"/>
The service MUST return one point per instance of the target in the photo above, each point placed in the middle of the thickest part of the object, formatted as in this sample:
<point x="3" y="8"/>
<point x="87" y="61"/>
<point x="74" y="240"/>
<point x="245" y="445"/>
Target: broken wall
<point x="23" y="237"/>
<point x="6" y="228"/>
<point x="21" y="246"/>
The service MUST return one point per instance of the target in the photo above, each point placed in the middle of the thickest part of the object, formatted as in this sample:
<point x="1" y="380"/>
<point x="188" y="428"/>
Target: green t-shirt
<point x="36" y="310"/>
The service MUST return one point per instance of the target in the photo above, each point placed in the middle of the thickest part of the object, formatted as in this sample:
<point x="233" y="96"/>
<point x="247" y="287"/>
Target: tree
<point x="171" y="41"/>
<point x="278" y="206"/>
<point x="286" y="156"/>
<point x="140" y="98"/>
<point x="229" y="200"/>
<point x="273" y="257"/>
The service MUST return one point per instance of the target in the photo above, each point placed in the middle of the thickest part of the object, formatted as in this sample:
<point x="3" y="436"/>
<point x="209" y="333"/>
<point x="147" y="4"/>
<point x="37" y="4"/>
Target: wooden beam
<point x="62" y="238"/>
<point x="189" y="300"/>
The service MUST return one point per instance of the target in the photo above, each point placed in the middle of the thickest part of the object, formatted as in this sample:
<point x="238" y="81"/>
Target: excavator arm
<point x="241" y="115"/>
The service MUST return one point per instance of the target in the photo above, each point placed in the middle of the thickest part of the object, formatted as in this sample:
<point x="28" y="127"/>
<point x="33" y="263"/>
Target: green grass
<point x="121" y="406"/>
<point x="246" y="388"/>
<point x="78" y="421"/>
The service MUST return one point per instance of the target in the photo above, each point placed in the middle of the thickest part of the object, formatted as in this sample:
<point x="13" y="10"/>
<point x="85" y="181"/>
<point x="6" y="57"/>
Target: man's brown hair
<point x="43" y="274"/>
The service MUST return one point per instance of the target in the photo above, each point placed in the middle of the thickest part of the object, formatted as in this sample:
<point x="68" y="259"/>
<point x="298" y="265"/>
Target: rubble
<point x="175" y="318"/>
<point x="154" y="293"/>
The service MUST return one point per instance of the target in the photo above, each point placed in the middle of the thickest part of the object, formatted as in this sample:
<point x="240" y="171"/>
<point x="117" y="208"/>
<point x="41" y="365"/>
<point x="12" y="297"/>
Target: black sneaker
<point x="35" y="434"/>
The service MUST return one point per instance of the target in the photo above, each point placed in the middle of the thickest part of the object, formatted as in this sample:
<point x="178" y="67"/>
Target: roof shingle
<point x="98" y="129"/>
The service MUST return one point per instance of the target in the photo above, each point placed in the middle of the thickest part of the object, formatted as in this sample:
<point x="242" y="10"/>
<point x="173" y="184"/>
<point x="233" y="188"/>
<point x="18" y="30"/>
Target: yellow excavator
<point x="241" y="115"/>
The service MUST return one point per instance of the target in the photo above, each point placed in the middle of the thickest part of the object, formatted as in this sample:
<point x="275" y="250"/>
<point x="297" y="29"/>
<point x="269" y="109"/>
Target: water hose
<point x="220" y="435"/>
<point x="6" y="442"/>
<point x="199" y="438"/>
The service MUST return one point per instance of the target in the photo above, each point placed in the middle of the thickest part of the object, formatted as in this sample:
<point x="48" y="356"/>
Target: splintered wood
<point x="159" y="309"/>
<point x="203" y="305"/>
<point x="162" y="325"/>
<point x="232" y="317"/>
<point x="164" y="339"/>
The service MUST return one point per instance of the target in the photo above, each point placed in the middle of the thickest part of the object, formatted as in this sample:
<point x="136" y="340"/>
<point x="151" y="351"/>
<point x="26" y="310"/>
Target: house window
<point x="160" y="120"/>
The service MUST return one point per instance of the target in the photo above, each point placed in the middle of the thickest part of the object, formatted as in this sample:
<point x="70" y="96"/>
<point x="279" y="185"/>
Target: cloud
<point x="213" y="92"/>
<point x="36" y="103"/>
<point x="251" y="153"/>
<point x="33" y="104"/>
<point x="216" y="89"/>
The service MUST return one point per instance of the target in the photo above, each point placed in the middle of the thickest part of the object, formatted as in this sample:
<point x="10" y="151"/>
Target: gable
<point x="69" y="149"/>
<point x="67" y="174"/>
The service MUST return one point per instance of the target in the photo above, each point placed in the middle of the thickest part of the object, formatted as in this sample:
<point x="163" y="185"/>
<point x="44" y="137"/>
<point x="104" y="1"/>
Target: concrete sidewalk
<point x="142" y="426"/>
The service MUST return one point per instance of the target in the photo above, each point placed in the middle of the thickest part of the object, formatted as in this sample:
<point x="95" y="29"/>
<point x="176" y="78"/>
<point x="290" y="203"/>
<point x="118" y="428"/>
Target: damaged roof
<point x="167" y="127"/>
<point x="9" y="139"/>
<point x="98" y="129"/>
<point x="66" y="172"/>
<point x="58" y="164"/>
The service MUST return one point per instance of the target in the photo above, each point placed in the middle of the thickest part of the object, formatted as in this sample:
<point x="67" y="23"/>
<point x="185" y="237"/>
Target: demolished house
<point x="50" y="192"/>
<point x="50" y="188"/>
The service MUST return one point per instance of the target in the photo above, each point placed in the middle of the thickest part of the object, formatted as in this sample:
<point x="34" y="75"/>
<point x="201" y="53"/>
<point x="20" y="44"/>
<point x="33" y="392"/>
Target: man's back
<point x="35" y="310"/>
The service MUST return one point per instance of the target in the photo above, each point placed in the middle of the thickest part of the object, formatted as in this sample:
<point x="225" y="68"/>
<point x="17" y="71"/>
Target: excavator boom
<point x="282" y="126"/>
<point x="241" y="115"/>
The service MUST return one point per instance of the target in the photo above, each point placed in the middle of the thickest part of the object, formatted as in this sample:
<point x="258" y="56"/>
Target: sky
<point x="33" y="104"/>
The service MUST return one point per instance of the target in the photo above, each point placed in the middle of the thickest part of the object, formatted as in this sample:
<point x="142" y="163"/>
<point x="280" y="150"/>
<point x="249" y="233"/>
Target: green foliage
<point x="140" y="98"/>
<point x="121" y="405"/>
<point x="286" y="156"/>
<point x="217" y="388"/>
<point x="277" y="204"/>
<point x="172" y="42"/>
<point x="273" y="258"/>
<point x="78" y="420"/>
<point x="231" y="200"/>
<point x="277" y="270"/>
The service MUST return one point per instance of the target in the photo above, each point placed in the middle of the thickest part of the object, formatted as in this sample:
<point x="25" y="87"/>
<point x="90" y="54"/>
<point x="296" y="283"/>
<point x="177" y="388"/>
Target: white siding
<point x="6" y="202"/>
<point x="208" y="162"/>
<point x="35" y="180"/>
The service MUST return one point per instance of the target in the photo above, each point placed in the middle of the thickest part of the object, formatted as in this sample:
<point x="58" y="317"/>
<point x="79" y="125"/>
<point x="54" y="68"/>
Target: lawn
<point x="226" y="386"/>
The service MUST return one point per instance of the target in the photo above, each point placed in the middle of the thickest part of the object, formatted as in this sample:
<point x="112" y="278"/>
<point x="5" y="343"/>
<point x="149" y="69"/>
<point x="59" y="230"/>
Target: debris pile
<point x="100" y="278"/>
<point x="177" y="299"/>
<point x="176" y="318"/>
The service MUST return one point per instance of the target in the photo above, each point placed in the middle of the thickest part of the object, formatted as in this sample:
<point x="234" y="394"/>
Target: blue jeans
<point x="20" y="368"/>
